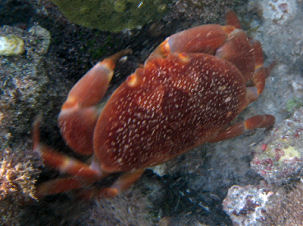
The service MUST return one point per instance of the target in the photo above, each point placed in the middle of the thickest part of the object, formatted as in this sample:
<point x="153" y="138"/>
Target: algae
<point x="109" y="15"/>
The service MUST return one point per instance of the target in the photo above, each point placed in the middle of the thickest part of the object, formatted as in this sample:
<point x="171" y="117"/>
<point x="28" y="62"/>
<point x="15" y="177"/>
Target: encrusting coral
<point x="17" y="184"/>
<point x="16" y="177"/>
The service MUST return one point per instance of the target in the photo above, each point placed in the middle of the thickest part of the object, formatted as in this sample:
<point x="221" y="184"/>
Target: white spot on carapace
<point x="227" y="99"/>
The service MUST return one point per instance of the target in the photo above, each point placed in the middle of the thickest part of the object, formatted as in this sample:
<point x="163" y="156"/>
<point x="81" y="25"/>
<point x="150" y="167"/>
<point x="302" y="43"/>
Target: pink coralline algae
<point x="280" y="156"/>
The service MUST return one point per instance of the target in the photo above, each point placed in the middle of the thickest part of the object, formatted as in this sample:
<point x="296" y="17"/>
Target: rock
<point x="194" y="184"/>
<point x="261" y="205"/>
<point x="279" y="11"/>
<point x="279" y="158"/>
<point x="22" y="80"/>
<point x="246" y="205"/>
<point x="11" y="45"/>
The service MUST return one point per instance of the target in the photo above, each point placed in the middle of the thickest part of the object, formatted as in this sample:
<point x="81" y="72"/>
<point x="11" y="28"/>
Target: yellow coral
<point x="290" y="153"/>
<point x="17" y="183"/>
<point x="11" y="45"/>
<point x="16" y="177"/>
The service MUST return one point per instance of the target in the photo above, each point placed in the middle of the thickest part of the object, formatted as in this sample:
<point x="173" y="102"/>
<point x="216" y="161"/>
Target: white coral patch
<point x="279" y="11"/>
<point x="11" y="45"/>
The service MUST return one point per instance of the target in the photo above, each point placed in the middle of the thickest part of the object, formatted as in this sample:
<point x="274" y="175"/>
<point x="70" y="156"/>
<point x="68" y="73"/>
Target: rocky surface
<point x="246" y="205"/>
<point x="22" y="82"/>
<point x="279" y="158"/>
<point x="187" y="190"/>
<point x="259" y="205"/>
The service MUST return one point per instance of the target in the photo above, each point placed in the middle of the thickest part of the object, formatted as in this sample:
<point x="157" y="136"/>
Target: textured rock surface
<point x="260" y="205"/>
<point x="22" y="81"/>
<point x="187" y="190"/>
<point x="246" y="205"/>
<point x="285" y="206"/>
<point x="23" y="78"/>
<point x="279" y="158"/>
<point x="134" y="207"/>
<point x="11" y="45"/>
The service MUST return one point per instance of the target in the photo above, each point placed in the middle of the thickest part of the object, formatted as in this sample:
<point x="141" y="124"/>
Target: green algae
<point x="293" y="104"/>
<point x="112" y="15"/>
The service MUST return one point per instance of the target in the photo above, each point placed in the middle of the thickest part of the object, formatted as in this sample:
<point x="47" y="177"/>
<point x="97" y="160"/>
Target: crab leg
<point x="261" y="72"/>
<point x="232" y="19"/>
<point x="61" y="162"/>
<point x="259" y="76"/>
<point x="201" y="39"/>
<point x="120" y="185"/>
<point x="66" y="164"/>
<point x="257" y="121"/>
<point x="81" y="173"/>
<point x="77" y="121"/>
<point x="57" y="186"/>
<point x="79" y="113"/>
<point x="90" y="89"/>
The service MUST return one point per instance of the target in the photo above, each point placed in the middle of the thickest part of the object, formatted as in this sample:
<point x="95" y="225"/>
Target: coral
<point x="16" y="177"/>
<point x="279" y="11"/>
<point x="108" y="15"/>
<point x="206" y="174"/>
<point x="280" y="157"/>
<point x="17" y="183"/>
<point x="246" y="205"/>
<point x="265" y="205"/>
<point x="11" y="45"/>
<point x="23" y="79"/>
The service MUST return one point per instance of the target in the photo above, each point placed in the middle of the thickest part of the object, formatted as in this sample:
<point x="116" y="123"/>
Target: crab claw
<point x="79" y="113"/>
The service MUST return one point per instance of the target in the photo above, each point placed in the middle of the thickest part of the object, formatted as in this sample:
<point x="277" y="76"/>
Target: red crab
<point x="187" y="93"/>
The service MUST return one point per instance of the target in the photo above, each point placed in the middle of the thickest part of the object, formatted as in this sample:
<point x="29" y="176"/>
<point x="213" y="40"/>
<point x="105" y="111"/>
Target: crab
<point x="187" y="93"/>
